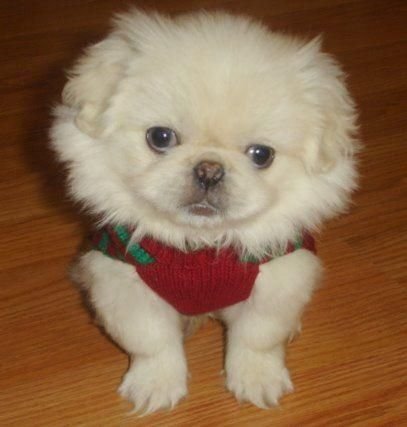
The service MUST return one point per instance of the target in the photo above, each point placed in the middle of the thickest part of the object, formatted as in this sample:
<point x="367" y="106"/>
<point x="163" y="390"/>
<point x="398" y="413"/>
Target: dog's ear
<point x="92" y="81"/>
<point x="95" y="77"/>
<point x="326" y="90"/>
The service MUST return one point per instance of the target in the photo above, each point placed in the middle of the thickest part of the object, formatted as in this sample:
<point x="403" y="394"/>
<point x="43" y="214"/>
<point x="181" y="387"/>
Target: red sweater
<point x="193" y="282"/>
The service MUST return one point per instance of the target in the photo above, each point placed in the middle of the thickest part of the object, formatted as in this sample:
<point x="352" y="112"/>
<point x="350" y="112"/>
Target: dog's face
<point x="208" y="129"/>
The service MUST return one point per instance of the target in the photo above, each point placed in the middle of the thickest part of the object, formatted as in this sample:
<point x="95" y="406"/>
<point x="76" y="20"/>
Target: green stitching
<point x="249" y="258"/>
<point x="103" y="243"/>
<point x="298" y="243"/>
<point x="122" y="234"/>
<point x="135" y="250"/>
<point x="140" y="255"/>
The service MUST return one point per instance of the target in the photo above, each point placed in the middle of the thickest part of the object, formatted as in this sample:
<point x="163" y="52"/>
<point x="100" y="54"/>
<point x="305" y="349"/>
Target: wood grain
<point x="349" y="365"/>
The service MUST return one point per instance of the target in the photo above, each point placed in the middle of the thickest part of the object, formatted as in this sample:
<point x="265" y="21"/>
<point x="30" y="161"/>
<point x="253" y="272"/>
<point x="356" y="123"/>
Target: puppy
<point x="207" y="149"/>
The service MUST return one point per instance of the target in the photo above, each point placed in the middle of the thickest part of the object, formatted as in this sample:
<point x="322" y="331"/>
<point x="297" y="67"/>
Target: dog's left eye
<point x="261" y="155"/>
<point x="161" y="139"/>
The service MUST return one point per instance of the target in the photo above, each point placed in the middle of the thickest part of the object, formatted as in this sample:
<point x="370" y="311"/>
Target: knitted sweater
<point x="193" y="282"/>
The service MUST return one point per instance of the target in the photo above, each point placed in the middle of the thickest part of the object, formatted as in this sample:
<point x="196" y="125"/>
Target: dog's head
<point x="207" y="129"/>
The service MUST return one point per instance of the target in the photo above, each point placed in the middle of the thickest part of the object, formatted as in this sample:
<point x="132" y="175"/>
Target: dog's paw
<point x="155" y="382"/>
<point x="257" y="377"/>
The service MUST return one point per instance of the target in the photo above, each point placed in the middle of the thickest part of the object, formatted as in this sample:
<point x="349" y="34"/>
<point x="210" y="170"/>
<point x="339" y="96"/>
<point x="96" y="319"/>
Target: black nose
<point x="208" y="173"/>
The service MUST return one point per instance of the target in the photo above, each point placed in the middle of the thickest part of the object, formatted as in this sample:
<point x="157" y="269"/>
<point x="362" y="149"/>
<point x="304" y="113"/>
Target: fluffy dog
<point x="207" y="148"/>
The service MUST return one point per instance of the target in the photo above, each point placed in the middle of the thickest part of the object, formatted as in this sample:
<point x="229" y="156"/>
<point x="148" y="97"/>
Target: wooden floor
<point x="349" y="365"/>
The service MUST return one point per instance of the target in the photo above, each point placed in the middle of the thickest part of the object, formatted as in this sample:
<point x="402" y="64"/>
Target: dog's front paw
<point x="155" y="382"/>
<point x="257" y="377"/>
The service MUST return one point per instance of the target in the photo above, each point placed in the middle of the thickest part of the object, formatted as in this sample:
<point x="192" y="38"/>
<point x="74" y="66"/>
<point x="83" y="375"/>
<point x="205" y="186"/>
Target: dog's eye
<point x="261" y="155"/>
<point x="161" y="139"/>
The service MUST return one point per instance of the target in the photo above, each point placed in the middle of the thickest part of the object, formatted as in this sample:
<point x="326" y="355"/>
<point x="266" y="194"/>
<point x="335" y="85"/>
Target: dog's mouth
<point x="204" y="204"/>
<point x="202" y="209"/>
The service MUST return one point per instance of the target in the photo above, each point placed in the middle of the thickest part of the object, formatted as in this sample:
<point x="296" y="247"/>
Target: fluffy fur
<point x="222" y="83"/>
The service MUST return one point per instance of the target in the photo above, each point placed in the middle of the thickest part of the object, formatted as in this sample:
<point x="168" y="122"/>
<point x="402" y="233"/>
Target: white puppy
<point x="210" y="147"/>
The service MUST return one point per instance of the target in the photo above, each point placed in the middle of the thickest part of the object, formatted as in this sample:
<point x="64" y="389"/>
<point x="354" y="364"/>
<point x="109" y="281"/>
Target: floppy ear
<point x="95" y="77"/>
<point x="326" y="89"/>
<point x="92" y="81"/>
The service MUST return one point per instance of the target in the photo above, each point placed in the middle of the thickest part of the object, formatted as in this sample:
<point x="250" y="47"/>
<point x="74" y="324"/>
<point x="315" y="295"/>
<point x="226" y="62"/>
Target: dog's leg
<point x="259" y="328"/>
<point x="148" y="328"/>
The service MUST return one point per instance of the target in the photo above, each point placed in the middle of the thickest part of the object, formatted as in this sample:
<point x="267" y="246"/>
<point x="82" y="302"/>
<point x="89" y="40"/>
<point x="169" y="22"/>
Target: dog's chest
<point x="194" y="282"/>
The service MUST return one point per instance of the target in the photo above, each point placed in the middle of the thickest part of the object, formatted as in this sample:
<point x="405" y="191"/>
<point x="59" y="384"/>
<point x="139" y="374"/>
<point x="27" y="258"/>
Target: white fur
<point x="259" y="327"/>
<point x="222" y="83"/>
<point x="143" y="324"/>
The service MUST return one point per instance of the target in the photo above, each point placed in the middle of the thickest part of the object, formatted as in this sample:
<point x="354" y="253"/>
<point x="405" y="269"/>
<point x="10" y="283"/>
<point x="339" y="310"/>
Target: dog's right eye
<point x="261" y="156"/>
<point x="161" y="139"/>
